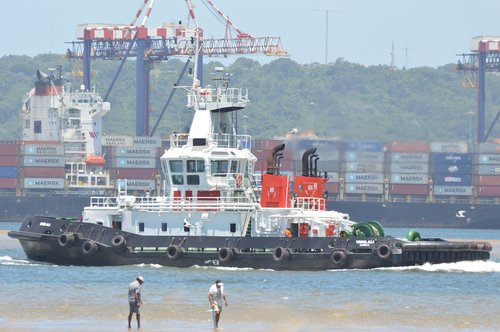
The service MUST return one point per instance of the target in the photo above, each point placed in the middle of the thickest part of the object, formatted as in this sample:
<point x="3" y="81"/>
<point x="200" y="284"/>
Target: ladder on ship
<point x="256" y="189"/>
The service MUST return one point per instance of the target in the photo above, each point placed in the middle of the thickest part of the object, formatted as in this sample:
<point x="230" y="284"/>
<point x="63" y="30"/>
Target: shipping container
<point x="267" y="144"/>
<point x="42" y="172"/>
<point x="399" y="157"/>
<point x="487" y="180"/>
<point x="133" y="162"/>
<point x="147" y="142"/>
<point x="364" y="167"/>
<point x="457" y="147"/>
<point x="132" y="152"/>
<point x="9" y="149"/>
<point x="141" y="184"/>
<point x="112" y="140"/>
<point x="452" y="190"/>
<point x="332" y="177"/>
<point x="363" y="146"/>
<point x="364" y="156"/>
<point x="408" y="189"/>
<point x="488" y="191"/>
<point x="8" y="183"/>
<point x="43" y="183"/>
<point x="43" y="161"/>
<point x="451" y="158"/>
<point x="364" y="178"/>
<point x="363" y="188"/>
<point x="409" y="178"/>
<point x="6" y="160"/>
<point x="131" y="173"/>
<point x="52" y="149"/>
<point x="452" y="180"/>
<point x="331" y="188"/>
<point x="408" y="147"/>
<point x="451" y="169"/>
<point x="488" y="159"/>
<point x="489" y="148"/>
<point x="9" y="172"/>
<point x="488" y="169"/>
<point x="409" y="168"/>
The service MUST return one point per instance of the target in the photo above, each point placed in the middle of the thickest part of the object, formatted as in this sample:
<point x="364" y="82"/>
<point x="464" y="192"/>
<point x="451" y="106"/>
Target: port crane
<point x="152" y="44"/>
<point x="485" y="57"/>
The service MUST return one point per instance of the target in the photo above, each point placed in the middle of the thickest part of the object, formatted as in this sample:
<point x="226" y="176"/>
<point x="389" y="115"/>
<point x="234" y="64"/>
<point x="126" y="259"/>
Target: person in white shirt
<point x="134" y="300"/>
<point x="215" y="297"/>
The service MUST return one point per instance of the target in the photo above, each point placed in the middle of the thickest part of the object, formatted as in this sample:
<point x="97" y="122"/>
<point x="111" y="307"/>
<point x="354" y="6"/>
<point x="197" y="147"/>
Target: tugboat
<point x="212" y="212"/>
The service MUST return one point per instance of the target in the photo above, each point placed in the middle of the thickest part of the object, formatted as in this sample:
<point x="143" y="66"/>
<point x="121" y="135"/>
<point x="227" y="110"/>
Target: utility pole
<point x="327" y="16"/>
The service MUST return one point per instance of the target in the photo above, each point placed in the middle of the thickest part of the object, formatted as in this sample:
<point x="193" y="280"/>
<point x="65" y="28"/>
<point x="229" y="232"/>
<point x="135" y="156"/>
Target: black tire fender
<point x="338" y="258"/>
<point x="118" y="241"/>
<point x="225" y="254"/>
<point x="89" y="247"/>
<point x="66" y="239"/>
<point x="281" y="254"/>
<point x="384" y="251"/>
<point x="174" y="251"/>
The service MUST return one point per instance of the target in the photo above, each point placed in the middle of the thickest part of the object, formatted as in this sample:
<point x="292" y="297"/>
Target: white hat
<point x="140" y="278"/>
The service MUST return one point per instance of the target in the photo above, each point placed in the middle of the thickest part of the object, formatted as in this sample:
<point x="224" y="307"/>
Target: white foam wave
<point x="466" y="266"/>
<point x="9" y="261"/>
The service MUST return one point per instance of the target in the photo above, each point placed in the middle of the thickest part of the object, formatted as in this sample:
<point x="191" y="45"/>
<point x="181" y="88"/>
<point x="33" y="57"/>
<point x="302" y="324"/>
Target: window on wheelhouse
<point x="195" y="166"/>
<point x="234" y="167"/>
<point x="176" y="166"/>
<point x="219" y="167"/>
<point x="193" y="179"/>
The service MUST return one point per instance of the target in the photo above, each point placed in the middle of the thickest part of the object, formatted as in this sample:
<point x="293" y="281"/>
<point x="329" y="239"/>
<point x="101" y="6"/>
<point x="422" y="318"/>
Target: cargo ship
<point x="63" y="159"/>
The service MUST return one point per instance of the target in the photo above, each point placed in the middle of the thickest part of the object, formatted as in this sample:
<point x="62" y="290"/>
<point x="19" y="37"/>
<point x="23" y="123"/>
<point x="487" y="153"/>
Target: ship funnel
<point x="278" y="158"/>
<point x="305" y="161"/>
<point x="315" y="169"/>
<point x="311" y="164"/>
<point x="271" y="158"/>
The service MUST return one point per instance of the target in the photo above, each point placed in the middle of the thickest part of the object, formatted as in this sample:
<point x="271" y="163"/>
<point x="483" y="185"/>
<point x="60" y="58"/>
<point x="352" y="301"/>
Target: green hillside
<point x="344" y="100"/>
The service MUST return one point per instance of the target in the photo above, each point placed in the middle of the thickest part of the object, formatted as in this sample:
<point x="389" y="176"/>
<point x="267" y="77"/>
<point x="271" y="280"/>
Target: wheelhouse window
<point x="177" y="179"/>
<point x="176" y="166"/>
<point x="234" y="166"/>
<point x="219" y="167"/>
<point x="193" y="179"/>
<point x="195" y="166"/>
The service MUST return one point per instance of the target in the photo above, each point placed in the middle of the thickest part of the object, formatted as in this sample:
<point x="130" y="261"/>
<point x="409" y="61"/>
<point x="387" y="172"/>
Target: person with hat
<point x="134" y="300"/>
<point x="215" y="297"/>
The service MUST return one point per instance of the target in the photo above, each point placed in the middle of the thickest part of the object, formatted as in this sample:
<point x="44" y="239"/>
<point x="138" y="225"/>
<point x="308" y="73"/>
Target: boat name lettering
<point x="212" y="261"/>
<point x="43" y="223"/>
<point x="365" y="243"/>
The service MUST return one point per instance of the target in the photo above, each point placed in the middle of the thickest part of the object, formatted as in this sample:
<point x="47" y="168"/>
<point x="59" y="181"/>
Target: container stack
<point x="408" y="169"/>
<point x="364" y="167"/>
<point x="487" y="164"/>
<point x="451" y="167"/>
<point x="42" y="165"/>
<point x="9" y="166"/>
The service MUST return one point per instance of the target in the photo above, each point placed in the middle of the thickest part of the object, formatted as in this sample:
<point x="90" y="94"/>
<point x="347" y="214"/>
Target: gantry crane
<point x="485" y="57"/>
<point x="147" y="45"/>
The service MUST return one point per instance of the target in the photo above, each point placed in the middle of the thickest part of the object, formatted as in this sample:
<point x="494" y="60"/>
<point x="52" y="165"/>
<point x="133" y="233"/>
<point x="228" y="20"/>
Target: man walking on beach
<point x="215" y="297"/>
<point x="134" y="300"/>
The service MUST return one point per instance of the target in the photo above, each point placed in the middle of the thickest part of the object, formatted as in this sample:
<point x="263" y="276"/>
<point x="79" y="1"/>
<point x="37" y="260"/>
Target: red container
<point x="9" y="149"/>
<point x="332" y="187"/>
<point x="12" y="160"/>
<point x="42" y="172"/>
<point x="408" y="189"/>
<point x="408" y="147"/>
<point x="133" y="173"/>
<point x="487" y="180"/>
<point x="488" y="191"/>
<point x="8" y="183"/>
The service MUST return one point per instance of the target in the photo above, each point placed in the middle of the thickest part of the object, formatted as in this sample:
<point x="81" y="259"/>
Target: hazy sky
<point x="425" y="32"/>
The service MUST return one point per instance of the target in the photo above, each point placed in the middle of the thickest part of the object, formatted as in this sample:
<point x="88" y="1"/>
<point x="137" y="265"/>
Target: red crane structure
<point x="149" y="45"/>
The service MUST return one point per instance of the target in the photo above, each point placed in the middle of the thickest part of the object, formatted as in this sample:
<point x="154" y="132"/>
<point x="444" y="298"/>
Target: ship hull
<point x="67" y="242"/>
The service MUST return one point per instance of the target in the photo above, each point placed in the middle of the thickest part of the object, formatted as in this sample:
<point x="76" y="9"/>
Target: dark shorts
<point x="134" y="308"/>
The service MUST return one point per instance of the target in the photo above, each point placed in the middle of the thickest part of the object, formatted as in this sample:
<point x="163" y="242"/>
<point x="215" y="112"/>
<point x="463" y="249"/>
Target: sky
<point x="424" y="32"/>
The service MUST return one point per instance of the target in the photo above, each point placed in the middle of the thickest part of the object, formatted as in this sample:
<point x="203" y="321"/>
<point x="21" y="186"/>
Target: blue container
<point x="452" y="169"/>
<point x="452" y="180"/>
<point x="451" y="158"/>
<point x="8" y="172"/>
<point x="366" y="146"/>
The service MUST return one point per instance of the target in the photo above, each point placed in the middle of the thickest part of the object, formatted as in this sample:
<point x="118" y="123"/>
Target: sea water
<point x="454" y="297"/>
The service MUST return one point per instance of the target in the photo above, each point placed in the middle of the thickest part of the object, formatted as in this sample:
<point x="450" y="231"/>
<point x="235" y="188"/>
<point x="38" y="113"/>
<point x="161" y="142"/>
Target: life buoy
<point x="174" y="251"/>
<point x="225" y="254"/>
<point x="118" y="241"/>
<point x="281" y="254"/>
<point x="89" y="247"/>
<point x="384" y="252"/>
<point x="66" y="239"/>
<point x="239" y="180"/>
<point x="338" y="258"/>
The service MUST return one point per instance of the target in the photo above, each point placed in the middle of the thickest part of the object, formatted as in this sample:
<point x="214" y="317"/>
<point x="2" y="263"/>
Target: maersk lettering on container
<point x="409" y="168"/>
<point x="135" y="162"/>
<point x="117" y="141"/>
<point x="452" y="190"/>
<point x="363" y="188"/>
<point x="364" y="156"/>
<point x="135" y="152"/>
<point x="489" y="159"/>
<point x="399" y="157"/>
<point x="43" y="183"/>
<point x="452" y="180"/>
<point x="41" y="161"/>
<point x="147" y="142"/>
<point x="138" y="184"/>
<point x="364" y="167"/>
<point x="456" y="147"/>
<point x="364" y="178"/>
<point x="42" y="150"/>
<point x="409" y="178"/>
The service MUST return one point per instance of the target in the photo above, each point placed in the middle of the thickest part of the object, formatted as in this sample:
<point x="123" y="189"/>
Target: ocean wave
<point x="7" y="260"/>
<point x="465" y="266"/>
